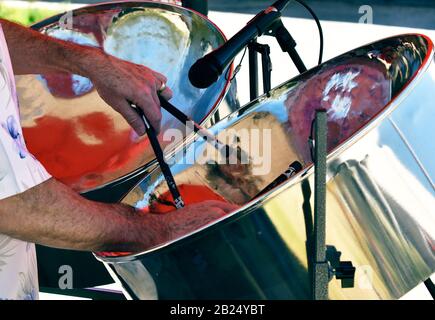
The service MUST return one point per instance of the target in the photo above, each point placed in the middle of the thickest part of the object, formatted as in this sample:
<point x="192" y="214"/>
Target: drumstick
<point x="179" y="203"/>
<point x="292" y="169"/>
<point x="204" y="133"/>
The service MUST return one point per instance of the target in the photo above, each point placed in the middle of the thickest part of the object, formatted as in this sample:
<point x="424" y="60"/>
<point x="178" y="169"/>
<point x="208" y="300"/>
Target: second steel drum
<point x="380" y="212"/>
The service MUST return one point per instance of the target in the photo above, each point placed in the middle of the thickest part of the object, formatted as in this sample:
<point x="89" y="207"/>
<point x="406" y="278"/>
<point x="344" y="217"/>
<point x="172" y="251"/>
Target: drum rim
<point x="307" y="172"/>
<point x="108" y="4"/>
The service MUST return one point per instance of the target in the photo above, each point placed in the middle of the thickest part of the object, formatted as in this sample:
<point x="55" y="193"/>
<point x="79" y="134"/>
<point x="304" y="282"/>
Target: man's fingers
<point x="149" y="102"/>
<point x="215" y="204"/>
<point x="131" y="116"/>
<point x="225" y="206"/>
<point x="219" y="213"/>
<point x="157" y="113"/>
<point x="155" y="97"/>
<point x="166" y="94"/>
<point x="160" y="77"/>
<point x="161" y="82"/>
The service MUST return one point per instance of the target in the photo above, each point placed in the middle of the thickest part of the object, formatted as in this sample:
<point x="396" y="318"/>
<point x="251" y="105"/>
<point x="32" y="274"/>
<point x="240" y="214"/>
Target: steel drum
<point x="77" y="137"/>
<point x="380" y="188"/>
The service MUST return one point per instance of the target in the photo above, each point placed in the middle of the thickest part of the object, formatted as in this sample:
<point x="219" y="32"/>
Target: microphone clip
<point x="265" y="26"/>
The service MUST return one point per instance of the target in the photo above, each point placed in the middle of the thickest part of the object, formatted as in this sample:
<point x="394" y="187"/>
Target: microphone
<point x="207" y="70"/>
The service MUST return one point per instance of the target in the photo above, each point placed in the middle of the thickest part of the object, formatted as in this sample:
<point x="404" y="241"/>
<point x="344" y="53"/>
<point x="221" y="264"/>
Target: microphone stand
<point x="285" y="40"/>
<point x="264" y="50"/>
<point x="287" y="44"/>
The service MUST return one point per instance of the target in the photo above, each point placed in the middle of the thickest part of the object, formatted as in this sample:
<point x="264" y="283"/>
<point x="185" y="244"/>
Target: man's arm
<point x="35" y="53"/>
<point x="52" y="214"/>
<point x="116" y="81"/>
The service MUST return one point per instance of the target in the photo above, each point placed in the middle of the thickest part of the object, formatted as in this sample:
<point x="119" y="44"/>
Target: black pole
<point x="320" y="267"/>
<point x="200" y="6"/>
<point x="430" y="287"/>
<point x="253" y="71"/>
<point x="266" y="66"/>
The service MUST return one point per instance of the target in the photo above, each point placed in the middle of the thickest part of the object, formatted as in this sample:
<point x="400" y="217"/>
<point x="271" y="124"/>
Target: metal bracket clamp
<point x="342" y="270"/>
<point x="287" y="44"/>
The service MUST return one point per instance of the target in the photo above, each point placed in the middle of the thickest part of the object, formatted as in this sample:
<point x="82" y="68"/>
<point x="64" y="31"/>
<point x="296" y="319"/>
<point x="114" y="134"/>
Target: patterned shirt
<point x="19" y="171"/>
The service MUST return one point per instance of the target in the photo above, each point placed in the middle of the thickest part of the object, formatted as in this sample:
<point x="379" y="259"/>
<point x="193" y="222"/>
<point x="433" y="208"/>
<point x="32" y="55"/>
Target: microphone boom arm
<point x="207" y="70"/>
<point x="287" y="44"/>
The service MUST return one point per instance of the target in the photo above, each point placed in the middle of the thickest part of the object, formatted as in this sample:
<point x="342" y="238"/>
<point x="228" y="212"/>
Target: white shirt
<point x="19" y="171"/>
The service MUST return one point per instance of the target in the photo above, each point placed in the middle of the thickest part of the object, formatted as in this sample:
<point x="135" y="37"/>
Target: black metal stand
<point x="254" y="49"/>
<point x="430" y="287"/>
<point x="200" y="6"/>
<point x="320" y="264"/>
<point x="325" y="260"/>
<point x="287" y="44"/>
<point x="253" y="72"/>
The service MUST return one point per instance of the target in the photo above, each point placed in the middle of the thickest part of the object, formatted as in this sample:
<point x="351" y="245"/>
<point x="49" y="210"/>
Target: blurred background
<point x="405" y="13"/>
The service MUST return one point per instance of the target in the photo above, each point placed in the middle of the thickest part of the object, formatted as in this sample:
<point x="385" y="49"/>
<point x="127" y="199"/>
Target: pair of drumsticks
<point x="152" y="136"/>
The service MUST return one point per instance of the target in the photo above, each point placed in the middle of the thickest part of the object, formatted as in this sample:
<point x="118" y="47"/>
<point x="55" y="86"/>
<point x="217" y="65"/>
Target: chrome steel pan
<point x="73" y="132"/>
<point x="380" y="188"/>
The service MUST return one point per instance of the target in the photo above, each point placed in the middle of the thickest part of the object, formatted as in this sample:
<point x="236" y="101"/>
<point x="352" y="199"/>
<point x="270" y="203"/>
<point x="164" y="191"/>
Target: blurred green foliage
<point x="25" y="16"/>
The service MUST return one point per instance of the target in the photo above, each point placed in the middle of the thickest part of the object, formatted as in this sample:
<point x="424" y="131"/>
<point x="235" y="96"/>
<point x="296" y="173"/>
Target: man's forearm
<point x="52" y="214"/>
<point x="35" y="53"/>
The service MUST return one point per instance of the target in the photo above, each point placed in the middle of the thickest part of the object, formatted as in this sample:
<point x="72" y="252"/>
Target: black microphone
<point x="207" y="70"/>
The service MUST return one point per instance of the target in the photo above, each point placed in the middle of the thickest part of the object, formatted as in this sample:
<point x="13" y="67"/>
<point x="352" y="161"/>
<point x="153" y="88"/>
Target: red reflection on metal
<point x="191" y="194"/>
<point x="66" y="155"/>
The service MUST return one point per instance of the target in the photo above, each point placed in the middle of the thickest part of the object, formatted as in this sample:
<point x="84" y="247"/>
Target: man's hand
<point x="52" y="214"/>
<point x="119" y="82"/>
<point x="183" y="221"/>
